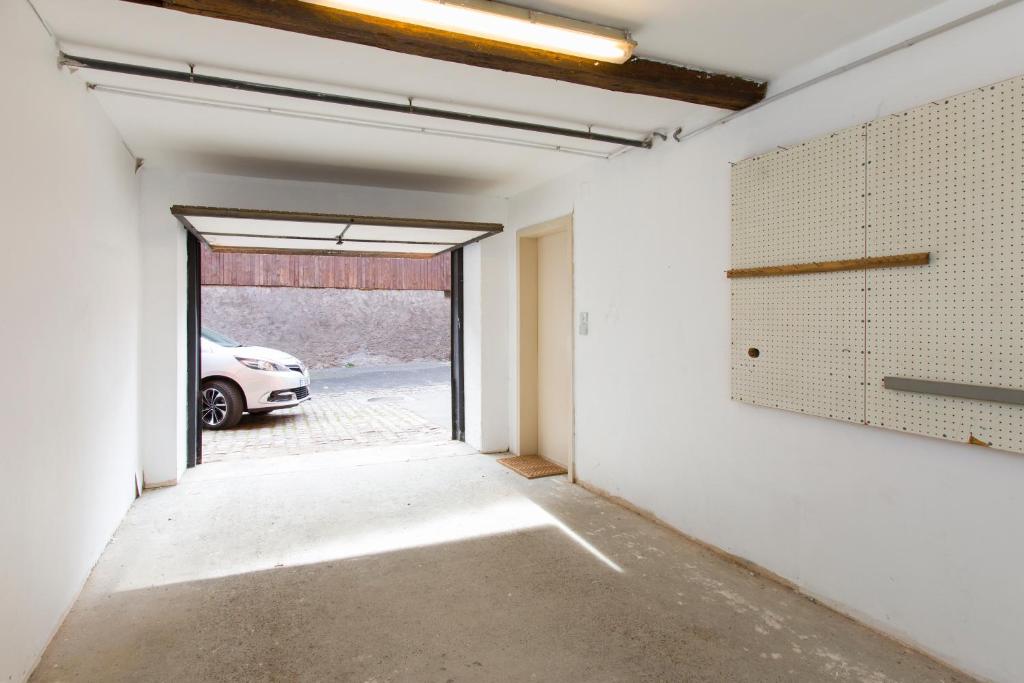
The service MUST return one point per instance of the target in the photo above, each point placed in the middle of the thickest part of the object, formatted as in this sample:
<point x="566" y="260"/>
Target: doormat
<point x="532" y="466"/>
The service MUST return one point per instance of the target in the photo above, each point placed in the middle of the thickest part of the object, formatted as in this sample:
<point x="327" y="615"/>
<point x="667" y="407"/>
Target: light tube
<point x="500" y="22"/>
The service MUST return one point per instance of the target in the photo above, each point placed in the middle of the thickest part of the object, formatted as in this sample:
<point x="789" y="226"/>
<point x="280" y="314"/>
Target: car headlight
<point x="264" y="365"/>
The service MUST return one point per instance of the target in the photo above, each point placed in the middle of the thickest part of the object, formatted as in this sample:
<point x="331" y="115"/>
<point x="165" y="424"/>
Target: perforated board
<point x="948" y="178"/>
<point x="802" y="204"/>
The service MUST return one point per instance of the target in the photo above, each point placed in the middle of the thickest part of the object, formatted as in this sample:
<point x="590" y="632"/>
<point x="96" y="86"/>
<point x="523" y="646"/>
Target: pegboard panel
<point x="948" y="178"/>
<point x="803" y="203"/>
<point x="797" y="205"/>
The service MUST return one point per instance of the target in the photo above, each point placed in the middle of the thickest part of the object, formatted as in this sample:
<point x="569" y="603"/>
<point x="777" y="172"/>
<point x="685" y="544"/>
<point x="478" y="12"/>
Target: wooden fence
<point x="335" y="272"/>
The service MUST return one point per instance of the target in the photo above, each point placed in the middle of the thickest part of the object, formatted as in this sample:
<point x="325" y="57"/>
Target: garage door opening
<point x="313" y="332"/>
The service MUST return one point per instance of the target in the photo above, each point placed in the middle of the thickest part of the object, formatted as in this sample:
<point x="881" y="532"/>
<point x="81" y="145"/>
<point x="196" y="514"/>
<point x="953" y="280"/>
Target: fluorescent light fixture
<point x="500" y="22"/>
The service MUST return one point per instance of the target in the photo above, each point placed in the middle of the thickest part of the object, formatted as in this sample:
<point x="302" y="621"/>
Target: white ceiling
<point x="303" y="147"/>
<point x="759" y="38"/>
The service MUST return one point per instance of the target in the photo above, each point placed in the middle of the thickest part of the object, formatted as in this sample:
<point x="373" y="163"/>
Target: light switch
<point x="584" y="324"/>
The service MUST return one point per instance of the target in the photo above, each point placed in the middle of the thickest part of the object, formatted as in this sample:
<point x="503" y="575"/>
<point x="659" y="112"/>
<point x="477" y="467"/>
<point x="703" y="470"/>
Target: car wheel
<point x="221" y="405"/>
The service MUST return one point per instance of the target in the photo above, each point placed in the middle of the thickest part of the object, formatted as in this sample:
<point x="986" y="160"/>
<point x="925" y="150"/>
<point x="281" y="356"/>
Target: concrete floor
<point x="434" y="563"/>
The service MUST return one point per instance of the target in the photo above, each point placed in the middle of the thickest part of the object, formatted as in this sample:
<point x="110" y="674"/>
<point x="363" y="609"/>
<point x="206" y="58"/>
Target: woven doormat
<point x="532" y="466"/>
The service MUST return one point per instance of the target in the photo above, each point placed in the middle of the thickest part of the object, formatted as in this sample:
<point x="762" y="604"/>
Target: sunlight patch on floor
<point x="496" y="519"/>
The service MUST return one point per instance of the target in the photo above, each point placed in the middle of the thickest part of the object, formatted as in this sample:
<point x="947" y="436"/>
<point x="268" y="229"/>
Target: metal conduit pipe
<point x="78" y="62"/>
<point x="348" y="120"/>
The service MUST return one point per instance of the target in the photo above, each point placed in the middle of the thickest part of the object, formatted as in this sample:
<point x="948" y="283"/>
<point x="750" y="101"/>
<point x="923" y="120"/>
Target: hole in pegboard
<point x="754" y="352"/>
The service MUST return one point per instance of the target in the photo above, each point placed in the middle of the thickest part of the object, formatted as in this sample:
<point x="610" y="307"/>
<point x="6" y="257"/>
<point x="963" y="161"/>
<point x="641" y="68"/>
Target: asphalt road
<point x="381" y="377"/>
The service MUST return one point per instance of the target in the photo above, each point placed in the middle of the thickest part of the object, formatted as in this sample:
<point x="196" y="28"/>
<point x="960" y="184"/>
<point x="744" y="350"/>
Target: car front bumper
<point x="287" y="397"/>
<point x="273" y="390"/>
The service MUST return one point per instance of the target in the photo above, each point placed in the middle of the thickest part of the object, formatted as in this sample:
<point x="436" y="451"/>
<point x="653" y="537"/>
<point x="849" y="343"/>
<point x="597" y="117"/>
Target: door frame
<point x="458" y="350"/>
<point x="194" y="357"/>
<point x="526" y="370"/>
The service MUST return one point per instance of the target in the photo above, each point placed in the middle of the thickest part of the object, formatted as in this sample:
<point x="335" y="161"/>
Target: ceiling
<point x="164" y="124"/>
<point x="759" y="39"/>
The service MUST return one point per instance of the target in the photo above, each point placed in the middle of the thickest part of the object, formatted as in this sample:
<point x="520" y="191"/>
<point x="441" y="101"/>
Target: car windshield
<point x="219" y="339"/>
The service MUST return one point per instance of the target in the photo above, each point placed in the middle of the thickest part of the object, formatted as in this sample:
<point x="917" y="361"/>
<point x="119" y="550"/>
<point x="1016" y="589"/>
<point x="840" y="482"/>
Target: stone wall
<point x="332" y="327"/>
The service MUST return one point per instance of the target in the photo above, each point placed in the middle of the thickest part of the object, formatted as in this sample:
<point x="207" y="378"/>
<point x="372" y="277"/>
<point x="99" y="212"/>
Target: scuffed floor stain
<point x="838" y="665"/>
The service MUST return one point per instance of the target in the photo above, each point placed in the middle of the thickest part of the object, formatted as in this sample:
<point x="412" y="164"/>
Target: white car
<point x="246" y="379"/>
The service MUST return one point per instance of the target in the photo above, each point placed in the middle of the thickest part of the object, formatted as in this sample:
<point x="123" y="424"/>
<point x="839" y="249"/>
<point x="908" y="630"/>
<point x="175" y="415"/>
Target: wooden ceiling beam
<point x="637" y="76"/>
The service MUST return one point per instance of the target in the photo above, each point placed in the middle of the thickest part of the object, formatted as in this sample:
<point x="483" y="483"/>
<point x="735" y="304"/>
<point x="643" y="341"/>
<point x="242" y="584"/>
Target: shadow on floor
<point x="528" y="605"/>
<point x="277" y="418"/>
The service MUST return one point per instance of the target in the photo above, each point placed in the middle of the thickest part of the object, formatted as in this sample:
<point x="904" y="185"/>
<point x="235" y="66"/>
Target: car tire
<point x="220" y="405"/>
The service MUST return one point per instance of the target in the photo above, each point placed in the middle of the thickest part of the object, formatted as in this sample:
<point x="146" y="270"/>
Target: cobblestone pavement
<point x="333" y="420"/>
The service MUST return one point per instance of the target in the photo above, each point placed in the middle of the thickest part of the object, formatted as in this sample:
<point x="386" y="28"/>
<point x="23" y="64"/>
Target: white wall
<point x="919" y="537"/>
<point x="69" y="284"/>
<point x="163" y="331"/>
<point x="487" y="344"/>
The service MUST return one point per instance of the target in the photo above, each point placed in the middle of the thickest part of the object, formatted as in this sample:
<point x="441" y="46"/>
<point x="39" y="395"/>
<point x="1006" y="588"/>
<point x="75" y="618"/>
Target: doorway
<point x="375" y="399"/>
<point x="545" y="311"/>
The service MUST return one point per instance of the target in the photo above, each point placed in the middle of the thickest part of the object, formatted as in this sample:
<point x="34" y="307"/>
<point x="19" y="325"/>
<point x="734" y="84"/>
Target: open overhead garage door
<point x="245" y="230"/>
<point x="296" y="233"/>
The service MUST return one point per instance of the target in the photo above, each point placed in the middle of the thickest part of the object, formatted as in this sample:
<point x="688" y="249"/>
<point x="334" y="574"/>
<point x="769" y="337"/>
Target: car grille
<point x="301" y="392"/>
